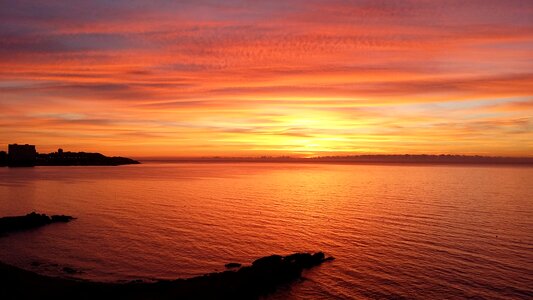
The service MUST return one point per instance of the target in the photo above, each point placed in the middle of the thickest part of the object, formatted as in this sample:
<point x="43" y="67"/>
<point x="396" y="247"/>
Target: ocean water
<point x="420" y="232"/>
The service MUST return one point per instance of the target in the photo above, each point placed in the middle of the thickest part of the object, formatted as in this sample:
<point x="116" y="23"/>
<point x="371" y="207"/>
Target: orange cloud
<point x="294" y="77"/>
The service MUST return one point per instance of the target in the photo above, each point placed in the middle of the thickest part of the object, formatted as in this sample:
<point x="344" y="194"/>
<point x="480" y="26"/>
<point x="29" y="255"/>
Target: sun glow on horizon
<point x="296" y="78"/>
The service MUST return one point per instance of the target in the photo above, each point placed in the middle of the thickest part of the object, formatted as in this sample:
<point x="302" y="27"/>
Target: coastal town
<point x="25" y="155"/>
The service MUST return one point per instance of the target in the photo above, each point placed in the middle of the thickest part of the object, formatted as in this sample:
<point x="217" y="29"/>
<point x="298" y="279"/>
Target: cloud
<point x="298" y="76"/>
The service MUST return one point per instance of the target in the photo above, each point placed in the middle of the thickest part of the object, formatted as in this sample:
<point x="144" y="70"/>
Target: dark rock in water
<point x="35" y="264"/>
<point x="319" y="256"/>
<point x="306" y="260"/>
<point x="267" y="261"/>
<point x="264" y="276"/>
<point x="31" y="220"/>
<point x="61" y="218"/>
<point x="232" y="265"/>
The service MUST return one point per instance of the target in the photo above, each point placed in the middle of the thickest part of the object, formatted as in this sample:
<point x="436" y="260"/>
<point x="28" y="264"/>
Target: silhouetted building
<point x="3" y="158"/>
<point x="22" y="155"/>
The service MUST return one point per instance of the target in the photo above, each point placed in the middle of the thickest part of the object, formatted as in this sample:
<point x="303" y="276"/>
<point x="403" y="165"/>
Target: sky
<point x="250" y="78"/>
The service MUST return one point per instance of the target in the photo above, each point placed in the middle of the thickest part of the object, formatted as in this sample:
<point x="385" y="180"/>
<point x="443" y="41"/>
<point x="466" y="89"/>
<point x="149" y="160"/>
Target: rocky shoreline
<point x="29" y="221"/>
<point x="262" y="277"/>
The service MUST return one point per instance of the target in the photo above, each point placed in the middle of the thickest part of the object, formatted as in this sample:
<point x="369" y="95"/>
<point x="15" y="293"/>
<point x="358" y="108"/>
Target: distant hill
<point x="81" y="159"/>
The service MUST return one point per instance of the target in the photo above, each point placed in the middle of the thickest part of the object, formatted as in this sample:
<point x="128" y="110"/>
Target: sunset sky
<point x="246" y="78"/>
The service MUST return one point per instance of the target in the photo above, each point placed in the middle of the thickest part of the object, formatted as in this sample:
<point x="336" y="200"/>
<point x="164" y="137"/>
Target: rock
<point x="69" y="270"/>
<point x="31" y="220"/>
<point x="35" y="264"/>
<point x="267" y="261"/>
<point x="319" y="256"/>
<point x="232" y="265"/>
<point x="264" y="276"/>
<point x="61" y="218"/>
<point x="306" y="260"/>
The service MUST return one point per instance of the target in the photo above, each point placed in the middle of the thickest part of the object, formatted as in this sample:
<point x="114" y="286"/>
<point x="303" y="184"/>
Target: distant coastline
<point x="358" y="159"/>
<point x="27" y="156"/>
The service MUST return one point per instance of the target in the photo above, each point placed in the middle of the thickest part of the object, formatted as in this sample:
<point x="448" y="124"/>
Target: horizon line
<point x="296" y="156"/>
<point x="329" y="156"/>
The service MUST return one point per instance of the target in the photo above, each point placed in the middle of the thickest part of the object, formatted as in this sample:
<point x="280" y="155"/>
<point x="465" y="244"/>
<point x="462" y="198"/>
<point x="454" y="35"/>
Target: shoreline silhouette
<point x="262" y="277"/>
<point x="27" y="156"/>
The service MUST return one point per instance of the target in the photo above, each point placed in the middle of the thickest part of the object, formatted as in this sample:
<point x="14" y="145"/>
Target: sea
<point x="396" y="231"/>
